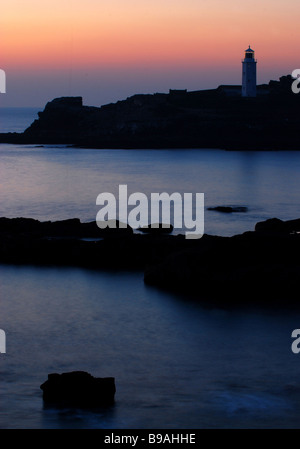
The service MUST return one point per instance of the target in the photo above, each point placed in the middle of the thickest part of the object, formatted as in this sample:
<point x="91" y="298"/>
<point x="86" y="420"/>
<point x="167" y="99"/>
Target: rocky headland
<point x="216" y="118"/>
<point x="259" y="266"/>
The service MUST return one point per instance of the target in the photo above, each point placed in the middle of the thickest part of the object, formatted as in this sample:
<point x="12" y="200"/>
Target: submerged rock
<point x="229" y="209"/>
<point x="78" y="388"/>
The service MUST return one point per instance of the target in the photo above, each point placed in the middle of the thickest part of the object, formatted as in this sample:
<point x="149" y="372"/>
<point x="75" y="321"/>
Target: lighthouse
<point x="249" y="74"/>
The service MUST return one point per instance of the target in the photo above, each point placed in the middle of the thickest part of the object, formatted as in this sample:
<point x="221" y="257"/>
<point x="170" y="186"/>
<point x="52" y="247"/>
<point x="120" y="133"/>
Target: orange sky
<point x="185" y="38"/>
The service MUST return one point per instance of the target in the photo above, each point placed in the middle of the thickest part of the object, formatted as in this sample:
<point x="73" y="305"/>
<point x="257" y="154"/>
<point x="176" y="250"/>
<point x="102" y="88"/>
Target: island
<point x="216" y="118"/>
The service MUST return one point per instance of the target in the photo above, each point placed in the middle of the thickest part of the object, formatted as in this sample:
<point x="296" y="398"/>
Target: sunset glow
<point x="187" y="40"/>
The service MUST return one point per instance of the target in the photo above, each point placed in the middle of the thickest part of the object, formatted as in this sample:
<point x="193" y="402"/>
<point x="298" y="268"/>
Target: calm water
<point x="17" y="119"/>
<point x="177" y="364"/>
<point x="58" y="183"/>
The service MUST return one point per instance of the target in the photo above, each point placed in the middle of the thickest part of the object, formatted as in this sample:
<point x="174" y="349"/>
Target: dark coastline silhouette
<point x="259" y="266"/>
<point x="216" y="118"/>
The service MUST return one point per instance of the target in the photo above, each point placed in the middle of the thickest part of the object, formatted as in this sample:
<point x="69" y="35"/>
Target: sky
<point x="107" y="50"/>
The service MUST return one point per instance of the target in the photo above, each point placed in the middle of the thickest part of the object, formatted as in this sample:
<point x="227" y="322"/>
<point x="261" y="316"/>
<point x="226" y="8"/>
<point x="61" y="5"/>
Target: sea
<point x="177" y="363"/>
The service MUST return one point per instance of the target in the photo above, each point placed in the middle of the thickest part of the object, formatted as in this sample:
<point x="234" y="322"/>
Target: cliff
<point x="217" y="118"/>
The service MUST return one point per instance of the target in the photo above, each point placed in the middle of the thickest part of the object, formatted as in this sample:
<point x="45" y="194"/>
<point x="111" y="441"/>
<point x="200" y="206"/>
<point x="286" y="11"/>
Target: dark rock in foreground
<point x="260" y="266"/>
<point x="78" y="388"/>
<point x="72" y="243"/>
<point x="276" y="225"/>
<point x="157" y="228"/>
<point x="63" y="228"/>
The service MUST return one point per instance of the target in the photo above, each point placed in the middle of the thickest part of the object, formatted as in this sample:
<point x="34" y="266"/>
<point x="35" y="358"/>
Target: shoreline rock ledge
<point x="78" y="388"/>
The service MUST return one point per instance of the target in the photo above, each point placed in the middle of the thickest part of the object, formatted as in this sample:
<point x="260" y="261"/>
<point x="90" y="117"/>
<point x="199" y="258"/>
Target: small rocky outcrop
<point x="229" y="209"/>
<point x="78" y="388"/>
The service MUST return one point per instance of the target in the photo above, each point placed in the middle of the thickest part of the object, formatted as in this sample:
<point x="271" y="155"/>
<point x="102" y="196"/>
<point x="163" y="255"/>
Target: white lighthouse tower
<point x="249" y="74"/>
